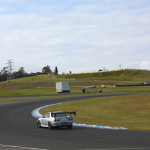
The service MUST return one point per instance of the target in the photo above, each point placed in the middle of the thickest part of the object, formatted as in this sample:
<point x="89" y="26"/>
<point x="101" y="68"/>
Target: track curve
<point x="18" y="127"/>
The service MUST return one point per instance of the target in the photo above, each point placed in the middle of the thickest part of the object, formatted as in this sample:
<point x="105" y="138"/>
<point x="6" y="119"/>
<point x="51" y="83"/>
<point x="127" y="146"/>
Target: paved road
<point x="18" y="128"/>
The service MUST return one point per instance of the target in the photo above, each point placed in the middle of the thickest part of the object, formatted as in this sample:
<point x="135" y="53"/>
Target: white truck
<point x="62" y="87"/>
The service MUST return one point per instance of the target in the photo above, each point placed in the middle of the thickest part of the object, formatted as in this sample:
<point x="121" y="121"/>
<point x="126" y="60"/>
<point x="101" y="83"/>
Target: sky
<point x="75" y="35"/>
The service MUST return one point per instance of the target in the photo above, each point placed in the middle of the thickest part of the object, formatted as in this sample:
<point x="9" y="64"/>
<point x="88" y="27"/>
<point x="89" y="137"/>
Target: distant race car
<point x="56" y="119"/>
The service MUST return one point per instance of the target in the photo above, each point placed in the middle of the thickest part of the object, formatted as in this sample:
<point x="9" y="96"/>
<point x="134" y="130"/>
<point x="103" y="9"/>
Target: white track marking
<point x="5" y="147"/>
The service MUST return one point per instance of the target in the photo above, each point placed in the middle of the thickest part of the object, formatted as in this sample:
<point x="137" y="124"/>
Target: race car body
<point x="56" y="119"/>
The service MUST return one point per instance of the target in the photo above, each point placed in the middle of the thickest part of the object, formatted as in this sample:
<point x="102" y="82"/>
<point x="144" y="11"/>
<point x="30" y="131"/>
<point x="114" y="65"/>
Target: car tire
<point x="49" y="126"/>
<point x="39" y="124"/>
<point x="69" y="127"/>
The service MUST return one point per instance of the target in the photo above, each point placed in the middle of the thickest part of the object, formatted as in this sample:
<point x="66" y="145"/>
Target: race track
<point x="18" y="128"/>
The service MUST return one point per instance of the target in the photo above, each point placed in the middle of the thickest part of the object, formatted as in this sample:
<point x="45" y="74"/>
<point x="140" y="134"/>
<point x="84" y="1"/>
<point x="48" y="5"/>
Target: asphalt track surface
<point x="18" y="128"/>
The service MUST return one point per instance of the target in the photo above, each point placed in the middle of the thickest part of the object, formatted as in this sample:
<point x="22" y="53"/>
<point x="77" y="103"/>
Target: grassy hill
<point x="124" y="75"/>
<point x="46" y="84"/>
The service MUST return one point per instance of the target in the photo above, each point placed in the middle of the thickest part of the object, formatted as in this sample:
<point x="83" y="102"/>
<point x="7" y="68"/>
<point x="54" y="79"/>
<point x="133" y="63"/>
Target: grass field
<point x="44" y="82"/>
<point x="39" y="91"/>
<point x="124" y="75"/>
<point x="131" y="112"/>
<point x="107" y="78"/>
<point x="35" y="91"/>
<point x="28" y="79"/>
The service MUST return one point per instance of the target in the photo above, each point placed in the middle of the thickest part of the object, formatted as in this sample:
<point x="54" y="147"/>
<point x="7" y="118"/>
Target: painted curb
<point x="35" y="113"/>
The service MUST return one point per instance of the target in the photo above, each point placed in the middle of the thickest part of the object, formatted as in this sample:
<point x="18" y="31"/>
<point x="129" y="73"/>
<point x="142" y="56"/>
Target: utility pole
<point x="10" y="69"/>
<point x="120" y="66"/>
<point x="104" y="68"/>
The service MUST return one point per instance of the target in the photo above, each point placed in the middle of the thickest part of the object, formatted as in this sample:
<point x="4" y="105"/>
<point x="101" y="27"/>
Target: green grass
<point x="50" y="83"/>
<point x="43" y="85"/>
<point x="36" y="91"/>
<point x="125" y="89"/>
<point x="45" y="82"/>
<point x="27" y="92"/>
<point x="131" y="112"/>
<point x="125" y="75"/>
<point x="40" y="91"/>
<point x="28" y="79"/>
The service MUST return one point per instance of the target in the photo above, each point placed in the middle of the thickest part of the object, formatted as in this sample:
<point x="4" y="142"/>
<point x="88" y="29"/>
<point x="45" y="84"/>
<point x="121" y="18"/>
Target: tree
<point x="46" y="70"/>
<point x="21" y="72"/>
<point x="15" y="74"/>
<point x="56" y="71"/>
<point x="4" y="74"/>
<point x="100" y="70"/>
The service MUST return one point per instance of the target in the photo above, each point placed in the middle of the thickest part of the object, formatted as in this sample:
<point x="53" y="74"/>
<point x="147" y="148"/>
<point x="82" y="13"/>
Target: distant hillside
<point x="27" y="83"/>
<point x="124" y="75"/>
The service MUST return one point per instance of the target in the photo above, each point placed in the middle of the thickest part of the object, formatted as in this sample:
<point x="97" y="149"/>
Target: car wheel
<point x="49" y="126"/>
<point x="69" y="127"/>
<point x="39" y="124"/>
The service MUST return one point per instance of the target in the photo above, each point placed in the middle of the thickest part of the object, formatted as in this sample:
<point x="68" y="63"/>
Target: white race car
<point x="56" y="119"/>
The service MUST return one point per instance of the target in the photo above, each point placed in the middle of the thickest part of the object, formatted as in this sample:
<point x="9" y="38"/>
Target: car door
<point x="45" y="119"/>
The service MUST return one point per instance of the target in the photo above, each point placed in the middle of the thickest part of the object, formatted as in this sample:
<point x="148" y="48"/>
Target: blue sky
<point x="75" y="35"/>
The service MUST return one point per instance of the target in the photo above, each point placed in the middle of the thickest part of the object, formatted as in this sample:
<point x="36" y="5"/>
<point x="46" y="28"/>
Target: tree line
<point x="6" y="75"/>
